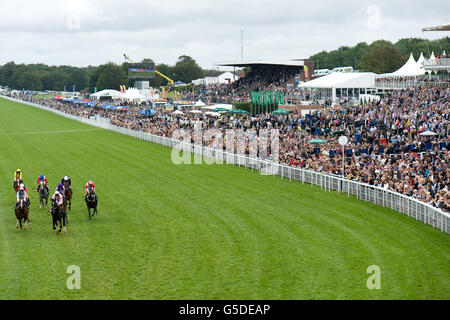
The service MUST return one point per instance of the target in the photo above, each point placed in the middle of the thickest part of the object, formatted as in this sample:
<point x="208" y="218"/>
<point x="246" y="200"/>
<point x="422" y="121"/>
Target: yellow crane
<point x="170" y="81"/>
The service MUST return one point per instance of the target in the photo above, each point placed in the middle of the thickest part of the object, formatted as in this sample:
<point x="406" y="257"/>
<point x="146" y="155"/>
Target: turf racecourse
<point x="195" y="231"/>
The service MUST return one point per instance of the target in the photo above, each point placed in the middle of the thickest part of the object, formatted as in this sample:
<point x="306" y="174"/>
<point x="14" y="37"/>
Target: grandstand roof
<point x="445" y="27"/>
<point x="249" y="63"/>
<point x="342" y="80"/>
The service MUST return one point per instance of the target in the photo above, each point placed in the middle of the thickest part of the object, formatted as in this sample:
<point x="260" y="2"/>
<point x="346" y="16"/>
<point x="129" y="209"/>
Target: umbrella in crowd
<point x="317" y="140"/>
<point x="238" y="111"/>
<point x="221" y="109"/>
<point x="428" y="133"/>
<point x="280" y="111"/>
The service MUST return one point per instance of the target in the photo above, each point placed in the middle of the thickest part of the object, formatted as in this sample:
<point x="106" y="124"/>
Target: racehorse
<point x="68" y="196"/>
<point x="43" y="194"/>
<point x="17" y="182"/>
<point x="22" y="213"/>
<point x="91" y="202"/>
<point x="58" y="214"/>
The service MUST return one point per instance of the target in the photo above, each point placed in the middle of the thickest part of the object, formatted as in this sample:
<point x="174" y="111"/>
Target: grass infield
<point x="167" y="231"/>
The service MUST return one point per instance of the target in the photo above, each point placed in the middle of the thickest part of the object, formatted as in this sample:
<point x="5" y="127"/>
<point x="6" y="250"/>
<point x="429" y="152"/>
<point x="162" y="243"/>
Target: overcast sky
<point x="83" y="32"/>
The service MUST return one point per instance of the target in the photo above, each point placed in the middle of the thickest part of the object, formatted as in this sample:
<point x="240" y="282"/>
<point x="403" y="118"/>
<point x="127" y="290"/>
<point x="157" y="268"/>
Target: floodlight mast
<point x="170" y="81"/>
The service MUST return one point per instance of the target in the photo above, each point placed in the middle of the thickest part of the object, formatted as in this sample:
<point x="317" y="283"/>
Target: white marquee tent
<point x="347" y="84"/>
<point x="199" y="103"/>
<point x="410" y="69"/>
<point x="133" y="94"/>
<point x="215" y="106"/>
<point x="114" y="94"/>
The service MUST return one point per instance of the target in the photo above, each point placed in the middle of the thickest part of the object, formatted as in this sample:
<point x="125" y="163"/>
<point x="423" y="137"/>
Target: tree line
<point x="380" y="56"/>
<point x="41" y="77"/>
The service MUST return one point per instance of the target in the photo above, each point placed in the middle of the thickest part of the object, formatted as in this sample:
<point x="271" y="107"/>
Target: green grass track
<point x="167" y="231"/>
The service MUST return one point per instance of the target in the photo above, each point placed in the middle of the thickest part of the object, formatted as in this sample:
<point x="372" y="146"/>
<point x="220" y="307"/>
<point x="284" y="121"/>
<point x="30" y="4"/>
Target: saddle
<point x="27" y="203"/>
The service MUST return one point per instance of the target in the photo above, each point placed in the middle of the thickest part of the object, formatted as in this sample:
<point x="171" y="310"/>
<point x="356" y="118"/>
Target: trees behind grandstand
<point x="352" y="56"/>
<point x="110" y="75"/>
<point x="382" y="57"/>
<point x="107" y="76"/>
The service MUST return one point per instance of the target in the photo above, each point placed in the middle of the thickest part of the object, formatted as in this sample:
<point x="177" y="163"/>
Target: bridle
<point x="91" y="195"/>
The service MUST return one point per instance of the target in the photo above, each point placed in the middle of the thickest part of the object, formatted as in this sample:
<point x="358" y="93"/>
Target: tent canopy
<point x="280" y="111"/>
<point x="107" y="93"/>
<point x="199" y="103"/>
<point x="133" y="94"/>
<point x="410" y="69"/>
<point x="238" y="111"/>
<point x="342" y="80"/>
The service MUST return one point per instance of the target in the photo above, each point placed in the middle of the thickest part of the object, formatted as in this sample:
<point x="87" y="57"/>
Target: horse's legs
<point x="29" y="221"/>
<point x="89" y="212"/>
<point x="17" y="223"/>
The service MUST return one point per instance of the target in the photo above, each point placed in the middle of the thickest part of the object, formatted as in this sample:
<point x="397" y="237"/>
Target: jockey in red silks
<point x="25" y="189"/>
<point x="88" y="185"/>
<point x="22" y="191"/>
<point x="42" y="178"/>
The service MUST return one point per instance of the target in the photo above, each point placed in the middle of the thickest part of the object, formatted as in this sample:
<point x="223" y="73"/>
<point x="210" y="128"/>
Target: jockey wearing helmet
<point x="61" y="189"/>
<point x="18" y="174"/>
<point x="42" y="178"/>
<point x="58" y="196"/>
<point x="66" y="181"/>
<point x="88" y="185"/>
<point x="22" y="191"/>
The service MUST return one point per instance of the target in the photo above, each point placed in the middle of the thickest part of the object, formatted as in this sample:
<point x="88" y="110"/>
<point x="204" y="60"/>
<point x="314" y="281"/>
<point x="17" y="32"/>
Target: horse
<point x="91" y="202"/>
<point x="17" y="182"/>
<point x="58" y="213"/>
<point x="22" y="212"/>
<point x="43" y="194"/>
<point x="68" y="196"/>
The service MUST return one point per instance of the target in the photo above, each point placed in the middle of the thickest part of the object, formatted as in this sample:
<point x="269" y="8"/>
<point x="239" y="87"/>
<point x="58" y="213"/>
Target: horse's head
<point x="91" y="194"/>
<point x="21" y="200"/>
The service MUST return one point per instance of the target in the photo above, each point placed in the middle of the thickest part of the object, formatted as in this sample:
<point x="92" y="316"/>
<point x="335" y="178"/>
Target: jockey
<point x="58" y="196"/>
<point x="18" y="174"/>
<point x="88" y="185"/>
<point x="22" y="191"/>
<point x="42" y="178"/>
<point x="61" y="189"/>
<point x="22" y="185"/>
<point x="66" y="181"/>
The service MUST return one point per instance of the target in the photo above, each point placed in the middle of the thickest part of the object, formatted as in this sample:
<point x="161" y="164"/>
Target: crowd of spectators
<point x="385" y="146"/>
<point x="258" y="79"/>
